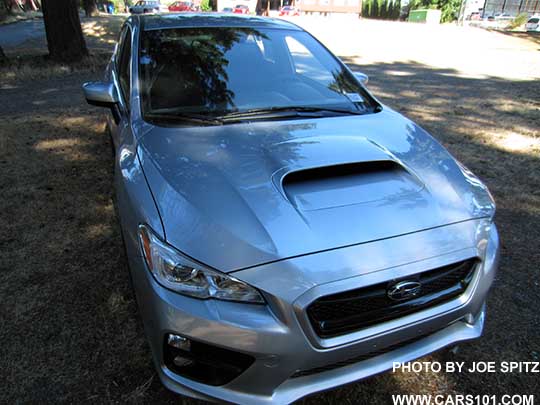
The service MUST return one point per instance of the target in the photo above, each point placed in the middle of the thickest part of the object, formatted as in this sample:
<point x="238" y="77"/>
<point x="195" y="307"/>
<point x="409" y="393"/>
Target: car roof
<point x="183" y="20"/>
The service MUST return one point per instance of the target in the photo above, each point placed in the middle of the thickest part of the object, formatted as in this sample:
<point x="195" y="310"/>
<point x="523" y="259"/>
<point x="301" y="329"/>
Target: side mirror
<point x="100" y="94"/>
<point x="361" y="77"/>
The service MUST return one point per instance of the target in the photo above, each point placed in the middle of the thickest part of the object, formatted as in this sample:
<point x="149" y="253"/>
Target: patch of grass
<point x="517" y="22"/>
<point x="29" y="67"/>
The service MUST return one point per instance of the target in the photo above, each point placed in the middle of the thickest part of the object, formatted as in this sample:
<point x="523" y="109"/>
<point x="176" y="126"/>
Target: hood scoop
<point x="340" y="185"/>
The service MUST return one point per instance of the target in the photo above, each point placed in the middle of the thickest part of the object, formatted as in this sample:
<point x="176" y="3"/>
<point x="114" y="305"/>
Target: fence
<point x="512" y="7"/>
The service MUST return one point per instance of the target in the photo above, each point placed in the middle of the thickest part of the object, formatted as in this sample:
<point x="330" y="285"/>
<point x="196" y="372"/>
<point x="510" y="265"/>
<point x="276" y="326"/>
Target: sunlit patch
<point x="8" y="87"/>
<point x="462" y="74"/>
<point x="47" y="91"/>
<point x="107" y="209"/>
<point x="515" y="142"/>
<point x="98" y="231"/>
<point x="409" y="94"/>
<point x="104" y="32"/>
<point x="84" y="122"/>
<point x="69" y="148"/>
<point x="47" y="145"/>
<point x="117" y="303"/>
<point x="399" y="73"/>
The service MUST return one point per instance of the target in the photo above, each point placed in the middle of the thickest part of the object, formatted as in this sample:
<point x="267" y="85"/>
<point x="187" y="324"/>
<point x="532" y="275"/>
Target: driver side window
<point x="124" y="66"/>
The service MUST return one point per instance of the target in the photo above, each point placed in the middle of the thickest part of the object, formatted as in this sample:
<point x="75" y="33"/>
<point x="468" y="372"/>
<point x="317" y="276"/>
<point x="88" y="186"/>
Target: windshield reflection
<point x="218" y="70"/>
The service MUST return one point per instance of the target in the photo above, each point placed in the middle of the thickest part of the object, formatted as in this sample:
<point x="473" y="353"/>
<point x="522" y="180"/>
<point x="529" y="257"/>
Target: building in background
<point x="511" y="7"/>
<point x="330" y="6"/>
<point x="225" y="4"/>
<point x="472" y="6"/>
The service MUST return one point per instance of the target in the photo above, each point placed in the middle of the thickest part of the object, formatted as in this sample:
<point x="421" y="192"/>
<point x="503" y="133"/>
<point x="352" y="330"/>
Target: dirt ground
<point x="69" y="326"/>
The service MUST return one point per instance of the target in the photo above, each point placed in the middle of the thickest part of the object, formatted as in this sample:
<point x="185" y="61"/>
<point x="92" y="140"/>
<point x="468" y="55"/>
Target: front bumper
<point x="280" y="339"/>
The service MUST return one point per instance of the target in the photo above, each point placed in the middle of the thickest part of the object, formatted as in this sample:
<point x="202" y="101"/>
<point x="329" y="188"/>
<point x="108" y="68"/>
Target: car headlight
<point x="176" y="272"/>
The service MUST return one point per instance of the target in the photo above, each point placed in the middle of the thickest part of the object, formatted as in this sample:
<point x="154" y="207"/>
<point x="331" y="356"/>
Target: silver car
<point x="286" y="232"/>
<point x="149" y="6"/>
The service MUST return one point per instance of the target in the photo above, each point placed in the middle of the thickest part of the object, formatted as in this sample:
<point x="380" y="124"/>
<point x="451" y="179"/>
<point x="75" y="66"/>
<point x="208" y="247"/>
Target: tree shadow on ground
<point x="68" y="319"/>
<point x="101" y="33"/>
<point x="28" y="38"/>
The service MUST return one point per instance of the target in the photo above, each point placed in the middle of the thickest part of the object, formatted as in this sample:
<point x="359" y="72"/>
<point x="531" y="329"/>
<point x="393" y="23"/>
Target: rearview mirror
<point x="361" y="77"/>
<point x="100" y="94"/>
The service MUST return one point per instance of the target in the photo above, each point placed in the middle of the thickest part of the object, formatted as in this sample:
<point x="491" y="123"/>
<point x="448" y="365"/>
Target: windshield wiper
<point x="271" y="112"/>
<point x="185" y="117"/>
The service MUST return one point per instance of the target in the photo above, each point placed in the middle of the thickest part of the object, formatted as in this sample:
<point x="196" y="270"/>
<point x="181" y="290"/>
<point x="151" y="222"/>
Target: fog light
<point x="202" y="362"/>
<point x="179" y="342"/>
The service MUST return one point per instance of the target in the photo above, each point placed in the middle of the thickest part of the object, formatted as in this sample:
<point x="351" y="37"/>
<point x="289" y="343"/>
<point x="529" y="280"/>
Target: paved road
<point x="21" y="33"/>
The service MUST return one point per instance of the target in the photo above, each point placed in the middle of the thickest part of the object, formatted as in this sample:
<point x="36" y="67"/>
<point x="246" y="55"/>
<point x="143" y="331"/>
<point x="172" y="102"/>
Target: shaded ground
<point x="28" y="37"/>
<point x="68" y="321"/>
<point x="6" y="19"/>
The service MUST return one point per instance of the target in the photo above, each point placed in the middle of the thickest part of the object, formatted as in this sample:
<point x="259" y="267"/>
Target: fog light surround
<point x="179" y="342"/>
<point x="202" y="362"/>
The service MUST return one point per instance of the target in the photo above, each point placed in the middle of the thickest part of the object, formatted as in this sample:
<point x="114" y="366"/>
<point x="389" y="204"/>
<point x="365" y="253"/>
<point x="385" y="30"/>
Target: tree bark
<point x="13" y="6"/>
<point x="90" y="8"/>
<point x="65" y="39"/>
<point x="30" y="5"/>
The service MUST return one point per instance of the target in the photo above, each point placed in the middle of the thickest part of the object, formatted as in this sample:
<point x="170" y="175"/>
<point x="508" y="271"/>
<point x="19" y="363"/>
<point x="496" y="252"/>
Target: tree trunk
<point x="13" y="6"/>
<point x="90" y="8"/>
<point x="30" y="5"/>
<point x="63" y="27"/>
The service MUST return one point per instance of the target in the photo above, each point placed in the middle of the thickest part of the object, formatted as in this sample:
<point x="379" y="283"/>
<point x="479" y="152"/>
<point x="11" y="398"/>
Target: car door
<point x="121" y="73"/>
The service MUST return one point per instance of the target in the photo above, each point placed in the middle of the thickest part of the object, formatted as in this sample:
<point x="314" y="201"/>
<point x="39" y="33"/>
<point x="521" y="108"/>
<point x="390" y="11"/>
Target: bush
<point x="449" y="8"/>
<point x="381" y="9"/>
<point x="205" y="5"/>
<point x="518" y="21"/>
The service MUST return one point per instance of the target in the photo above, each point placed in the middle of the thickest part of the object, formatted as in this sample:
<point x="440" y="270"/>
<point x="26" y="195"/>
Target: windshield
<point x="213" y="71"/>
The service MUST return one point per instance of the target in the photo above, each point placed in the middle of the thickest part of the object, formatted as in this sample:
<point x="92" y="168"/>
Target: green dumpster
<point x="418" y="16"/>
<point x="428" y="16"/>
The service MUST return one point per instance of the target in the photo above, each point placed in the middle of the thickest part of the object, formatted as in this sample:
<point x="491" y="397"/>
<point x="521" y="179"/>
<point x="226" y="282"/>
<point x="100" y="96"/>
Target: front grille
<point x="350" y="311"/>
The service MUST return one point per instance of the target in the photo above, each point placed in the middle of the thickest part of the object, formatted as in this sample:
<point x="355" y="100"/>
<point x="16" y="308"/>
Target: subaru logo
<point x="404" y="290"/>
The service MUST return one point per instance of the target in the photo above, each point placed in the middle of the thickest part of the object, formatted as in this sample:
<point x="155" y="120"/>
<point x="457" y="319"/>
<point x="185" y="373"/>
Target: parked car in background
<point x="227" y="10"/>
<point x="148" y="6"/>
<point x="241" y="9"/>
<point x="533" y="24"/>
<point x="503" y="17"/>
<point x="289" y="11"/>
<point x="474" y="16"/>
<point x="179" y="6"/>
<point x="286" y="232"/>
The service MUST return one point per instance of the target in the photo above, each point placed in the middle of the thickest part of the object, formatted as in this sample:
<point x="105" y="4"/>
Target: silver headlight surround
<point x="179" y="273"/>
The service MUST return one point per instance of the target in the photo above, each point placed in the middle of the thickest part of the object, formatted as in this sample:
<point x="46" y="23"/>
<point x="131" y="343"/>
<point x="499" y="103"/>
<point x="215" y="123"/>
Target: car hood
<point x="241" y="195"/>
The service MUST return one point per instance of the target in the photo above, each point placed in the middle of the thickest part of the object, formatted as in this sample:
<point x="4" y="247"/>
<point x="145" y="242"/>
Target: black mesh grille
<point x="349" y="311"/>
